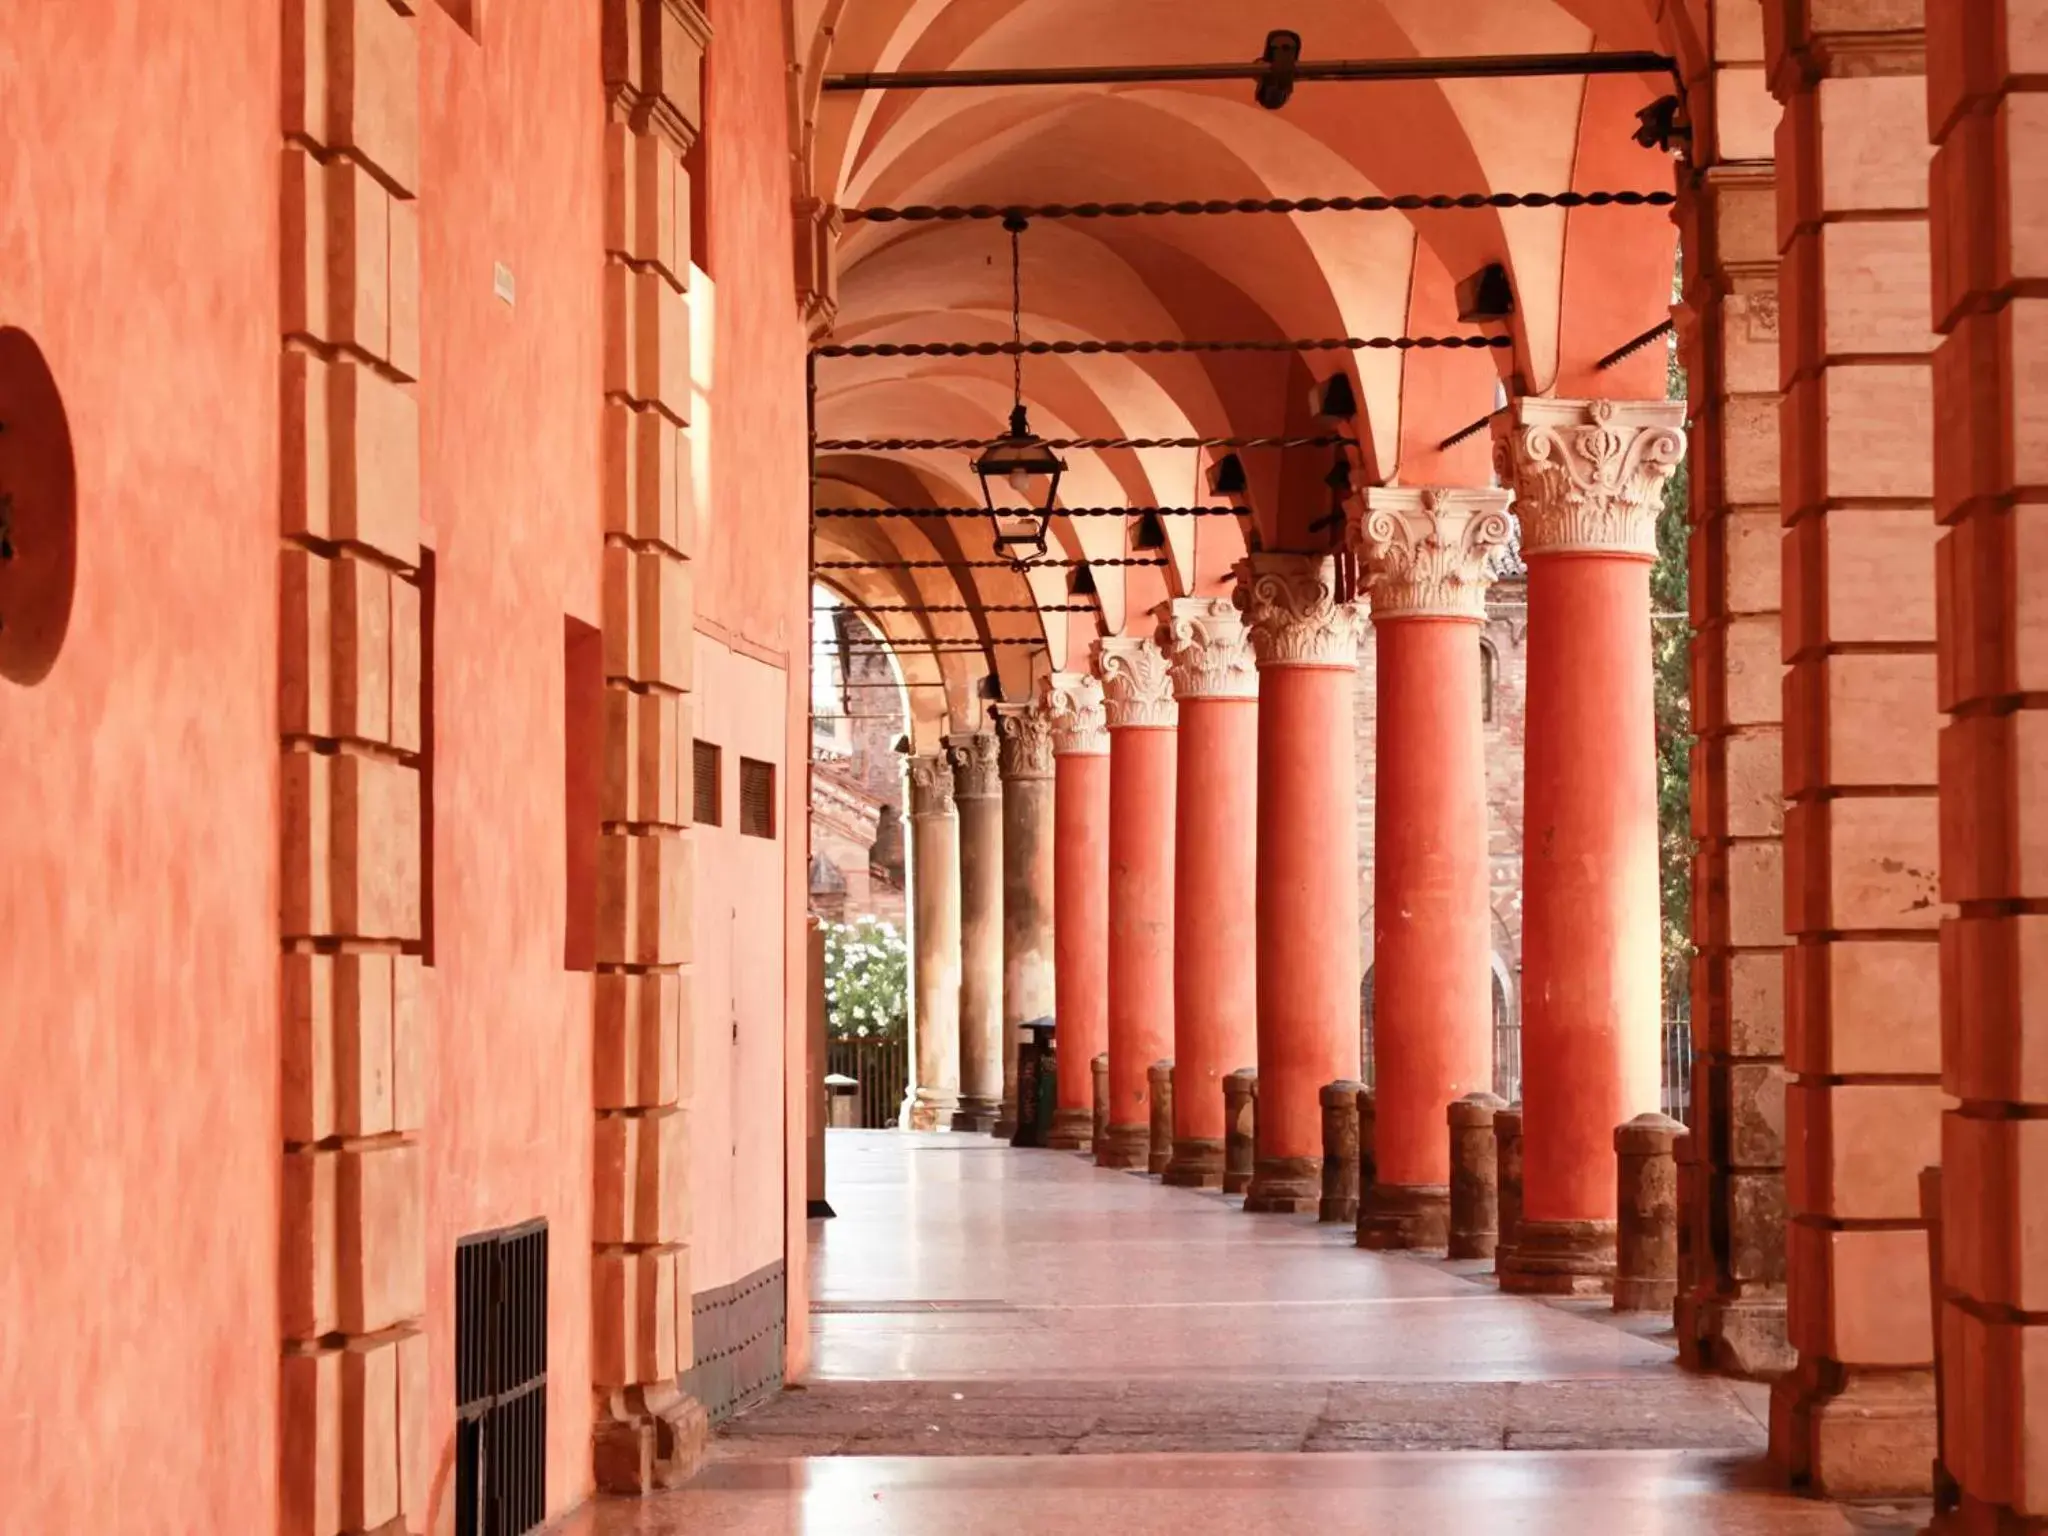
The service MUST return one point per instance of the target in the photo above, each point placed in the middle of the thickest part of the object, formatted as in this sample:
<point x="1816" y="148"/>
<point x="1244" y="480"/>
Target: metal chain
<point x="970" y="444"/>
<point x="872" y="512"/>
<point x="924" y="213"/>
<point x="1018" y="349"/>
<point x="980" y="565"/>
<point x="959" y="608"/>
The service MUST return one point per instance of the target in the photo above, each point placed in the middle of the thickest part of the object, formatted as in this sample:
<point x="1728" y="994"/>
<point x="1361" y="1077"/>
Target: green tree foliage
<point x="1671" y="647"/>
<point x="867" y="981"/>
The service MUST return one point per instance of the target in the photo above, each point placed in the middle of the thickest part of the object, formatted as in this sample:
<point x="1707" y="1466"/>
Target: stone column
<point x="1026" y="765"/>
<point x="1216" y="807"/>
<point x="1138" y="700"/>
<point x="1864" y="856"/>
<point x="1589" y="479"/>
<point x="1990" y="485"/>
<point x="1427" y="551"/>
<point x="1307" y="880"/>
<point x="934" y="942"/>
<point x="1080" y="745"/>
<point x="1474" y="1223"/>
<point x="978" y="793"/>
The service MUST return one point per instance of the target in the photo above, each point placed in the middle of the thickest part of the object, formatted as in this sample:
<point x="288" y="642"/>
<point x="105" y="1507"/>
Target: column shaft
<point x="1307" y="886"/>
<point x="935" y="943"/>
<point x="1138" y="702"/>
<point x="1080" y="899"/>
<point x="1027" y="769"/>
<point x="977" y="789"/>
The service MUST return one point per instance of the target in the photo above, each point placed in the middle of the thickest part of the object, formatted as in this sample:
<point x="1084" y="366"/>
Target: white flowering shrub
<point x="867" y="981"/>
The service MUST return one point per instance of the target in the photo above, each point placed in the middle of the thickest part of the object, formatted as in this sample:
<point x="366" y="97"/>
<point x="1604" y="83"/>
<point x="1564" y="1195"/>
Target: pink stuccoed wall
<point x="138" y="782"/>
<point x="512" y="172"/>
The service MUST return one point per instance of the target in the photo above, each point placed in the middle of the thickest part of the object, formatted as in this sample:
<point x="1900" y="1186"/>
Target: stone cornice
<point x="1137" y="687"/>
<point x="1208" y="648"/>
<point x="1072" y="701"/>
<point x="931" y="784"/>
<point x="973" y="755"/>
<point x="1589" y="475"/>
<point x="1026" y="733"/>
<point x="1290" y="605"/>
<point x="1427" y="549"/>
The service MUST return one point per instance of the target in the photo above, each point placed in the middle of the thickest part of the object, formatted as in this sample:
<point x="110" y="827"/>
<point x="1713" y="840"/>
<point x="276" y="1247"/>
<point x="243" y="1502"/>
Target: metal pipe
<point x="1350" y="71"/>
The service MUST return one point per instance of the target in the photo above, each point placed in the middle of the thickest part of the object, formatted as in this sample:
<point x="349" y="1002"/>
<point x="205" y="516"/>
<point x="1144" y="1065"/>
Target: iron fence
<point x="882" y="1068"/>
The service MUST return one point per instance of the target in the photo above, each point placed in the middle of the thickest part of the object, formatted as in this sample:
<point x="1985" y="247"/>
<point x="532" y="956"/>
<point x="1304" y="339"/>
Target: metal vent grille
<point x="704" y="775"/>
<point x="757" y="798"/>
<point x="501" y="1381"/>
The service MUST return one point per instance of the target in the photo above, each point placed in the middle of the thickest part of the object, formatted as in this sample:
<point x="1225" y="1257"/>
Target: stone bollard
<point x="1340" y="1152"/>
<point x="1101" y="1125"/>
<point x="1475" y="1177"/>
<point x="1646" y="1200"/>
<point x="1240" y="1116"/>
<point x="1159" y="1079"/>
<point x="1368" y="1157"/>
<point x="1507" y="1167"/>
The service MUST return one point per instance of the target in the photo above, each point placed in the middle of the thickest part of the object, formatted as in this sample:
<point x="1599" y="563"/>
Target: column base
<point x="1158" y="1155"/>
<point x="932" y="1111"/>
<point x="1735" y="1335"/>
<point x="1854" y="1435"/>
<point x="1560" y="1258"/>
<point x="1285" y="1185"/>
<point x="976" y="1116"/>
<point x="1197" y="1163"/>
<point x="1073" y="1130"/>
<point x="1124" y="1146"/>
<point x="1398" y="1216"/>
<point x="1006" y="1120"/>
<point x="1633" y="1294"/>
<point x="647" y="1439"/>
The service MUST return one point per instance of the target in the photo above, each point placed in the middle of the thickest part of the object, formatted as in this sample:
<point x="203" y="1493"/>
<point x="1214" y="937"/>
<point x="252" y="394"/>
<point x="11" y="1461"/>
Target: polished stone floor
<point x="1019" y="1342"/>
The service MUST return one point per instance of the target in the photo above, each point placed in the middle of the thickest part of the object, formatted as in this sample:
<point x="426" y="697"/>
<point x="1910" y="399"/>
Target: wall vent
<point x="705" y="768"/>
<point x="757" y="798"/>
<point x="501" y="1381"/>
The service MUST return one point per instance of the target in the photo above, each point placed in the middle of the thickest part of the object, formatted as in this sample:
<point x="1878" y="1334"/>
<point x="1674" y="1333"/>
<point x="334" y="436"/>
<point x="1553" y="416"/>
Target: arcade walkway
<point x="994" y="1308"/>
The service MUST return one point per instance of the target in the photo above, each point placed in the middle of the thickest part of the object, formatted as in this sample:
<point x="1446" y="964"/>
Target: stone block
<point x="1862" y="576"/>
<point x="375" y="872"/>
<point x="644" y="759"/>
<point x="374" y="480"/>
<point x="358" y="257"/>
<point x="647" y="340"/>
<point x="408" y="673"/>
<point x="1994" y="777"/>
<point x="1864" y="1007"/>
<point x="305" y="449"/>
<point x="304" y="235"/>
<point x="1753" y="788"/>
<point x="380" y="1236"/>
<point x="369" y="1434"/>
<point x="649" y="617"/>
<point x="639" y="1043"/>
<point x="1750" y="670"/>
<point x="304" y="67"/>
<point x="647" y="477"/>
<point x="1750" y="449"/>
<point x="305" y="865"/>
<point x="633" y="1317"/>
<point x="403" y="352"/>
<point x="364" y="993"/>
<point x="307" y="1096"/>
<point x="361" y="608"/>
<point x="1860" y="1297"/>
<point x="1862" y="864"/>
<point x="1755" y="1008"/>
<point x="1751" y="561"/>
<point x="1868" y="722"/>
<point x="1870" y="157"/>
<point x="1856" y="1149"/>
<point x="309" y="1245"/>
<point x="310" y="1439"/>
<point x="1994" y="1239"/>
<point x="373" y="89"/>
<point x="305" y="682"/>
<point x="1756" y="894"/>
<point x="1874" y="275"/>
<point x="415" y="1476"/>
<point x="642" y="1175"/>
<point x="1995" y="1007"/>
<point x="1755" y="1096"/>
<point x="647" y="205"/>
<point x="644" y="892"/>
<point x="408" y="1044"/>
<point x="1756" y="1214"/>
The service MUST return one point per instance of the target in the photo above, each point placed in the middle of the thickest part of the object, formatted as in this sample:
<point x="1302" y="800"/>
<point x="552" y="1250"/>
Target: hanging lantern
<point x="1020" y="461"/>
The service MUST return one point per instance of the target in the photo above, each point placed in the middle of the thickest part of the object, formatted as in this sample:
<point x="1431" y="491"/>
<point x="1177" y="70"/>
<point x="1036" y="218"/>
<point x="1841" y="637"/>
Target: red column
<point x="1080" y="899"/>
<point x="1589" y="478"/>
<point x="1215" y="870"/>
<point x="1427" y="551"/>
<point x="1307" y="880"/>
<point x="1138" y="703"/>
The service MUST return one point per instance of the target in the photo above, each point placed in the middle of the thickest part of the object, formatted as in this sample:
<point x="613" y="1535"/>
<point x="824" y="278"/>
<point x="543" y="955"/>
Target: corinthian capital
<point x="1026" y="733"/>
<point x="1208" y="648"/>
<point x="1289" y="603"/>
<point x="1137" y="688"/>
<point x="1589" y="474"/>
<point x="931" y="784"/>
<point x="973" y="755"/>
<point x="1072" y="701"/>
<point x="1426" y="549"/>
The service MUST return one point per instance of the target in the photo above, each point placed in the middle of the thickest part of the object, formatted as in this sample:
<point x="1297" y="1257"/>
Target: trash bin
<point x="842" y="1102"/>
<point x="1037" y="1085"/>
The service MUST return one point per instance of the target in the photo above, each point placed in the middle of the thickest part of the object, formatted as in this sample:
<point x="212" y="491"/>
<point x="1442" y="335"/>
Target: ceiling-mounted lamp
<point x="1020" y="460"/>
<point x="1081" y="582"/>
<point x="1282" y="55"/>
<point x="1226" y="476"/>
<point x="1486" y="295"/>
<point x="1333" y="399"/>
<point x="992" y="689"/>
<point x="1150" y="532"/>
